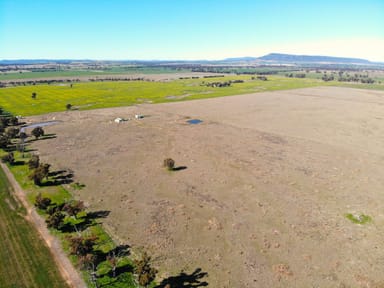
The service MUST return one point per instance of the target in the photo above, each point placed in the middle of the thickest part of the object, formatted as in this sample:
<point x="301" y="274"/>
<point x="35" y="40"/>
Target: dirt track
<point x="269" y="178"/>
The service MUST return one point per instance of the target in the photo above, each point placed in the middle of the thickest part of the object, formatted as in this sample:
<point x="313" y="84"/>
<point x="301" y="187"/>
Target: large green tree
<point x="37" y="132"/>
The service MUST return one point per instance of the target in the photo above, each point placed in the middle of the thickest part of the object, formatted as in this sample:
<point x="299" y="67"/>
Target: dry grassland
<point x="269" y="179"/>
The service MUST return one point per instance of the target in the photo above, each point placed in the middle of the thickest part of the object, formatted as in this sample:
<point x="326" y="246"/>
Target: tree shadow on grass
<point x="58" y="178"/>
<point x="98" y="214"/>
<point x="28" y="149"/>
<point x="86" y="221"/>
<point x="18" y="163"/>
<point x="184" y="280"/>
<point x="79" y="227"/>
<point x="118" y="252"/>
<point x="107" y="280"/>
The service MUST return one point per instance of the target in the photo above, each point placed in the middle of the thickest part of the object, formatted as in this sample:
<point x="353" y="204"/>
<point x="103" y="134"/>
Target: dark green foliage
<point x="4" y="141"/>
<point x="327" y="78"/>
<point x="8" y="158"/>
<point x="73" y="207"/>
<point x="82" y="245"/>
<point x="56" y="220"/>
<point x="4" y="121"/>
<point x="34" y="162"/>
<point x="13" y="121"/>
<point x="11" y="132"/>
<point x="42" y="202"/>
<point x="39" y="173"/>
<point x="145" y="273"/>
<point x="54" y="208"/>
<point x="37" y="132"/>
<point x="169" y="164"/>
<point x="23" y="136"/>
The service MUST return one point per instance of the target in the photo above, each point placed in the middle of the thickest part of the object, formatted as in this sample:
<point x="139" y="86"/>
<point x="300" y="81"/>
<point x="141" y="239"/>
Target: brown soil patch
<point x="262" y="201"/>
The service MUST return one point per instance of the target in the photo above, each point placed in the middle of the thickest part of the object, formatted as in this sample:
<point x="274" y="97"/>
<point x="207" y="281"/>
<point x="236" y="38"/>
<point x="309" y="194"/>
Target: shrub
<point x="82" y="245"/>
<point x="37" y="132"/>
<point x="39" y="173"/>
<point x="42" y="202"/>
<point x="56" y="220"/>
<point x="169" y="163"/>
<point x="11" y="132"/>
<point x="34" y="162"/>
<point x="145" y="273"/>
<point x="8" y="158"/>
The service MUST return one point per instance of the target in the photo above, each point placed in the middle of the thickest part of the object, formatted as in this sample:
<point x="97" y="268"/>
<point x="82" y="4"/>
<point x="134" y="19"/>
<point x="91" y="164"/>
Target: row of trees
<point x="70" y="216"/>
<point x="7" y="142"/>
<point x="70" y="81"/>
<point x="34" y="82"/>
<point x="221" y="84"/>
<point x="296" y="75"/>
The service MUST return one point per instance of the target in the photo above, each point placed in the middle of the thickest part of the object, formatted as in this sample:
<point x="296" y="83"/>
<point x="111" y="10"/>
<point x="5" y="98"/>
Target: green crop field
<point x="24" y="260"/>
<point x="126" y="70"/>
<point x="92" y="95"/>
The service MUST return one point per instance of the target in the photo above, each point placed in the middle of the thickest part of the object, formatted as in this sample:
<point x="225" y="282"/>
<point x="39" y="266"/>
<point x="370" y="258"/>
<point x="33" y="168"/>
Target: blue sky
<point x="189" y="29"/>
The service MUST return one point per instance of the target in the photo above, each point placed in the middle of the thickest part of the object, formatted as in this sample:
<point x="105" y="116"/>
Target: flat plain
<point x="264" y="192"/>
<point x="155" y="89"/>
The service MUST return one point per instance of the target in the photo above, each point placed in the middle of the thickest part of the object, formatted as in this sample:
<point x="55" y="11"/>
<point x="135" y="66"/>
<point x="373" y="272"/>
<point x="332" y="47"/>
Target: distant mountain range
<point x="272" y="58"/>
<point x="289" y="58"/>
<point x="312" y="59"/>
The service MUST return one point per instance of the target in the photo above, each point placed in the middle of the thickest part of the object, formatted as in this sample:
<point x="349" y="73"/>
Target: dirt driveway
<point x="267" y="182"/>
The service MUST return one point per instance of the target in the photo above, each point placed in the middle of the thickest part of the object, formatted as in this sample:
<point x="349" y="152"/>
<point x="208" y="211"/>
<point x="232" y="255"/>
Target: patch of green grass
<point x="24" y="259"/>
<point x="21" y="172"/>
<point x="77" y="186"/>
<point x="358" y="218"/>
<point x="92" y="95"/>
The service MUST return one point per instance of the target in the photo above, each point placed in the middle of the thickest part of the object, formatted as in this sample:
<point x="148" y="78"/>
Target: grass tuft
<point x="358" y="218"/>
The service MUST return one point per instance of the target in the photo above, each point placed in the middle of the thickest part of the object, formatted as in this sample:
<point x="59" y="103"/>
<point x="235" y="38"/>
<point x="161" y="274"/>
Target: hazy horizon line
<point x="179" y="59"/>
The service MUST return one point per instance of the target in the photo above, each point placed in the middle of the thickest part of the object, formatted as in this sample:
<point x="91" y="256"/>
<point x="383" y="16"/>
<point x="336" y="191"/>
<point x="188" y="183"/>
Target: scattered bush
<point x="4" y="141"/>
<point x="39" y="173"/>
<point x="73" y="207"/>
<point x="80" y="245"/>
<point x="34" y="162"/>
<point x="56" y="220"/>
<point x="145" y="273"/>
<point x="37" y="132"/>
<point x="42" y="202"/>
<point x="169" y="163"/>
<point x="8" y="158"/>
<point x="11" y="132"/>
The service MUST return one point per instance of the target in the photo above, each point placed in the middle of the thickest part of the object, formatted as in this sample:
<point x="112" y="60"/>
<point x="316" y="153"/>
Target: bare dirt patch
<point x="269" y="178"/>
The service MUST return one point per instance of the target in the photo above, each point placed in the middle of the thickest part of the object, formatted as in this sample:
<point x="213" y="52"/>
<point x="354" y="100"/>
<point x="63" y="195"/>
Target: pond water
<point x="40" y="124"/>
<point x="194" y="121"/>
